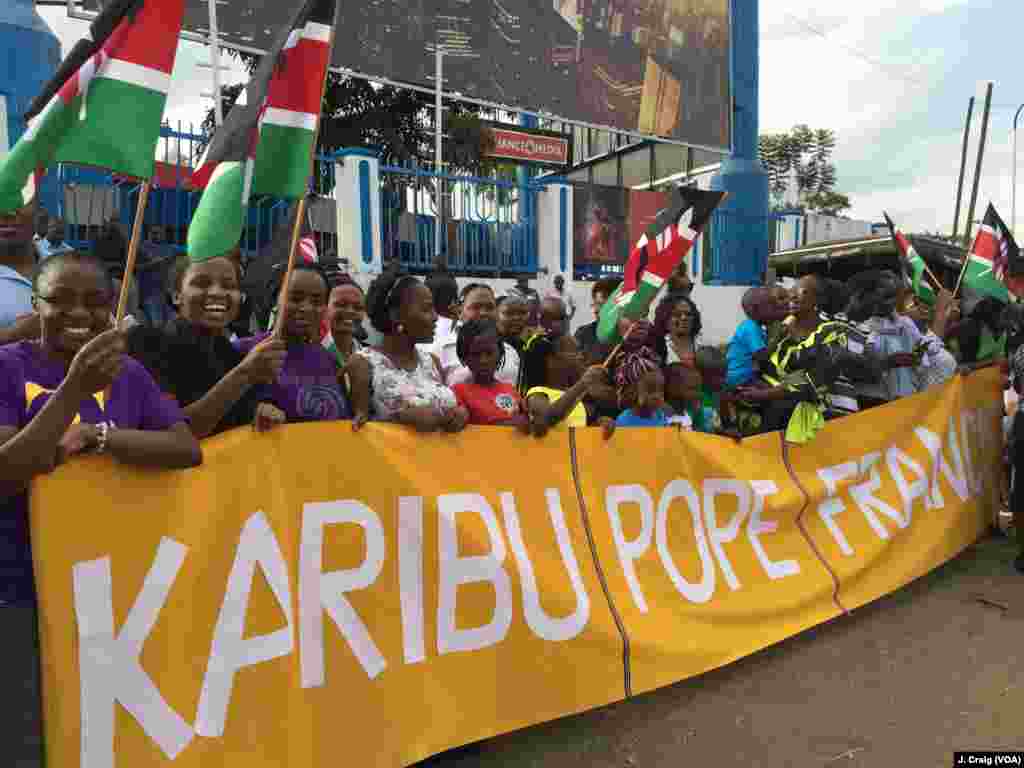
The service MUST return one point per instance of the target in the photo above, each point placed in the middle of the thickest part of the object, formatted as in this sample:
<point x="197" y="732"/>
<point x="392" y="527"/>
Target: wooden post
<point x="133" y="250"/>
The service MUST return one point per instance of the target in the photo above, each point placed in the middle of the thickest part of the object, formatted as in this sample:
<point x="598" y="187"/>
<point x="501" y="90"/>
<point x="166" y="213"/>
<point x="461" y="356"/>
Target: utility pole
<point x="963" y="169"/>
<point x="438" y="119"/>
<point x="981" y="156"/>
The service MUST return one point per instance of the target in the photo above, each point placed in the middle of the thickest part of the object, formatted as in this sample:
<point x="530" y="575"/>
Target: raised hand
<point x="97" y="364"/>
<point x="264" y="362"/>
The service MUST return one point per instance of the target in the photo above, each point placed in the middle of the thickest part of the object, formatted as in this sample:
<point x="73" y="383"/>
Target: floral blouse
<point x="393" y="389"/>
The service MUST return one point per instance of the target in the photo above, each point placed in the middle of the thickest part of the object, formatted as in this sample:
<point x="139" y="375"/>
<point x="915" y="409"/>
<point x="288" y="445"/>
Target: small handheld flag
<point x="654" y="257"/>
<point x="913" y="266"/>
<point x="265" y="144"/>
<point x="994" y="266"/>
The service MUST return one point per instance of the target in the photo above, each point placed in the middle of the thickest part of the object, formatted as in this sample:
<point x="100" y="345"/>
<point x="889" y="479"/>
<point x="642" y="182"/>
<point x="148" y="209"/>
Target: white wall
<point x="796" y="231"/>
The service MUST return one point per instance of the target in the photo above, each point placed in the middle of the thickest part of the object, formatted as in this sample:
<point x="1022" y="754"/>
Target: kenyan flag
<point x="654" y="257"/>
<point x="913" y="266"/>
<point x="105" y="105"/>
<point x="994" y="260"/>
<point x="266" y="143"/>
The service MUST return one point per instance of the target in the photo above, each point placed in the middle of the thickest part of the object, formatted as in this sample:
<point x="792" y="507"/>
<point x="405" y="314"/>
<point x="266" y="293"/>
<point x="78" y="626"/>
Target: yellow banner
<point x="394" y="595"/>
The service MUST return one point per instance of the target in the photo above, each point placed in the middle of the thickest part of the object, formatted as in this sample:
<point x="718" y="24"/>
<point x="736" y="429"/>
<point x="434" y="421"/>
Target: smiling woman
<point x="307" y="389"/>
<point x="193" y="359"/>
<point x="70" y="392"/>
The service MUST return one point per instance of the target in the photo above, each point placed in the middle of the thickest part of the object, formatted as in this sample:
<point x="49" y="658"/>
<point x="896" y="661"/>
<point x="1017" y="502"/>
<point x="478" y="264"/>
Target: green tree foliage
<point x="800" y="160"/>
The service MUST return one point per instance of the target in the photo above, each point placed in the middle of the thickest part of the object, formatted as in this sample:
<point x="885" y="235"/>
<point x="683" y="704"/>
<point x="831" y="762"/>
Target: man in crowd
<point x="586" y="337"/>
<point x="54" y="241"/>
<point x="554" y="319"/>
<point x="531" y="297"/>
<point x="17" y="260"/>
<point x="559" y="293"/>
<point x="679" y="281"/>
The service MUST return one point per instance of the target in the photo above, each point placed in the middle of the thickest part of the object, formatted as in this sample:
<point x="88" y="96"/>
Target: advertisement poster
<point x="651" y="66"/>
<point x="609" y="220"/>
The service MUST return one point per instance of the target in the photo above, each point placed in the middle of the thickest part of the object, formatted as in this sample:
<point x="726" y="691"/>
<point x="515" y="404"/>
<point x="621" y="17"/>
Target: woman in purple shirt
<point x="72" y="391"/>
<point x="307" y="388"/>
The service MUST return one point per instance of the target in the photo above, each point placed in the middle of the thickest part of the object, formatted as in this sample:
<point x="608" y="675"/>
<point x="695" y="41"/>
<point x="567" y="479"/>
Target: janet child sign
<point x="529" y="146"/>
<point x="311" y="594"/>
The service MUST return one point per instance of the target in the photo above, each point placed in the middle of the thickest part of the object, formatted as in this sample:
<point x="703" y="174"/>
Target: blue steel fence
<point x="485" y="232"/>
<point x="485" y="229"/>
<point x="490" y="223"/>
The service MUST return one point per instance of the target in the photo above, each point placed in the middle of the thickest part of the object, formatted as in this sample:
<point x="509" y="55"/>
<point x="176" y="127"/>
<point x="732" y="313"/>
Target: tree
<point x="800" y="161"/>
<point x="828" y="203"/>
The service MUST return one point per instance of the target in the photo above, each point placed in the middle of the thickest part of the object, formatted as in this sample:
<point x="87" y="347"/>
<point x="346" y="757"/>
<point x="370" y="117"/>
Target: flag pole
<point x="300" y="213"/>
<point x="963" y="271"/>
<point x="133" y="250"/>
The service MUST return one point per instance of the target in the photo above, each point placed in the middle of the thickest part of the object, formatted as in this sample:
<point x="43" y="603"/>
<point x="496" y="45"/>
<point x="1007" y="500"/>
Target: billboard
<point x="658" y="67"/>
<point x="608" y="221"/>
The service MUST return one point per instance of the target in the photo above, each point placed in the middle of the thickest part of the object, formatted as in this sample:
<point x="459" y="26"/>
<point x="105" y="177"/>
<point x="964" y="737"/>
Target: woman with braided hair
<point x="397" y="380"/>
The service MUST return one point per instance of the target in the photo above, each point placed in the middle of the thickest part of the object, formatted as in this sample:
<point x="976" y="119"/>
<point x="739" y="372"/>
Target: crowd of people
<point x="439" y="359"/>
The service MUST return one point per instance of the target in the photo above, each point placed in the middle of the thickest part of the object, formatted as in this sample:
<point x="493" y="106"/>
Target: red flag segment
<point x="296" y="88"/>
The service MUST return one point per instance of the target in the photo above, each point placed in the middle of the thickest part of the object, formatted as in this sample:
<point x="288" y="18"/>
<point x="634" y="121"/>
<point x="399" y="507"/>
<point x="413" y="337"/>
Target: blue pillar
<point x="527" y="202"/>
<point x="31" y="55"/>
<point x="742" y="237"/>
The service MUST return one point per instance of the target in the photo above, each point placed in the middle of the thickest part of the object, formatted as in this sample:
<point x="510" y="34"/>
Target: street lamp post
<point x="1013" y="192"/>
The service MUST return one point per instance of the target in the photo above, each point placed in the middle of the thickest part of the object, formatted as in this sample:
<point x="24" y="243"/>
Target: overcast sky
<point x="892" y="78"/>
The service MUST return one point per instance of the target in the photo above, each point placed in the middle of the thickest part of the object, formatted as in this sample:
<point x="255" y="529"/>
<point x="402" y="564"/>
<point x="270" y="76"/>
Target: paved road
<point x="902" y="682"/>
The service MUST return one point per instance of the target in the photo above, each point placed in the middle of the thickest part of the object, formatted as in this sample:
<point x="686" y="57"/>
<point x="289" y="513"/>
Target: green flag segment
<point x="107" y="112"/>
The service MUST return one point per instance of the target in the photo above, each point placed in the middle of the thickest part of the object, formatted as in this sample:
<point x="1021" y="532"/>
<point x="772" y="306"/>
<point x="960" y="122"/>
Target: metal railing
<point x="488" y="231"/>
<point x="728" y="228"/>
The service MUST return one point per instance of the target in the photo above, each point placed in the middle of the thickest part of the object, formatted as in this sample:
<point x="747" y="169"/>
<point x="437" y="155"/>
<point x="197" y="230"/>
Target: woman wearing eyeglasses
<point x="69" y="391"/>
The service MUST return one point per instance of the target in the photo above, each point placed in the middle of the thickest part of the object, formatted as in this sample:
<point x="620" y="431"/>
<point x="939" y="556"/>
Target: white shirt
<point x="454" y="372"/>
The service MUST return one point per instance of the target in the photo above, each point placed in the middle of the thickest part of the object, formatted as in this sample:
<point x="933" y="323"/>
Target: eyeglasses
<point x="67" y="303"/>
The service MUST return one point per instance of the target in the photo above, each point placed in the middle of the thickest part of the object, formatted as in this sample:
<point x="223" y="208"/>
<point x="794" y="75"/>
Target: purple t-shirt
<point x="308" y="388"/>
<point x="27" y="380"/>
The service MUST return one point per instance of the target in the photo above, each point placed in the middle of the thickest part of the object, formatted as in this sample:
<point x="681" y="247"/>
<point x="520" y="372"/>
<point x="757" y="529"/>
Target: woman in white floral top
<point x="395" y="381"/>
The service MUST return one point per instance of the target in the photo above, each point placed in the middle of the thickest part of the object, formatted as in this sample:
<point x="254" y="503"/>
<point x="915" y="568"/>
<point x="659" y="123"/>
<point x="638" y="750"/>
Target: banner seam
<point x="627" y="681"/>
<point x="800" y="524"/>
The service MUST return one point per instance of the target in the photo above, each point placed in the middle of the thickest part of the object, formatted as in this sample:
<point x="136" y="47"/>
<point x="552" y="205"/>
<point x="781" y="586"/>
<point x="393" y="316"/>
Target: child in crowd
<point x="762" y="306"/>
<point x="488" y="401"/>
<point x="650" y="409"/>
<point x="684" y="387"/>
<point x="307" y="388"/>
<point x="555" y="383"/>
<point x="346" y="308"/>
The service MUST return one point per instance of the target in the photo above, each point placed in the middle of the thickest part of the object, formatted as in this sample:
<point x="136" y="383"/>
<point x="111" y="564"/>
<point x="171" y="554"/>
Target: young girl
<point x="684" y="388"/>
<point x="488" y="401"/>
<point x="476" y="302"/>
<point x="650" y="409"/>
<point x="217" y="386"/>
<point x="345" y="310"/>
<point x="307" y="388"/>
<point x="554" y="385"/>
